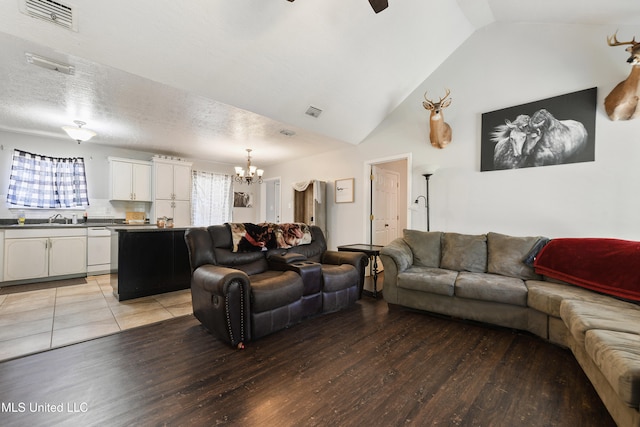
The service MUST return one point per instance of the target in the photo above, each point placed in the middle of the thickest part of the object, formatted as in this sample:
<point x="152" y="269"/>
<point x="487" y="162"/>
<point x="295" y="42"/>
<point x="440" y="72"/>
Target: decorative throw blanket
<point x="249" y="237"/>
<point x="610" y="266"/>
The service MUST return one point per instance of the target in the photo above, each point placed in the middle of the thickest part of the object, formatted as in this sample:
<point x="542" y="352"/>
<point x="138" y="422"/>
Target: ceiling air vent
<point x="50" y="11"/>
<point x="313" y="111"/>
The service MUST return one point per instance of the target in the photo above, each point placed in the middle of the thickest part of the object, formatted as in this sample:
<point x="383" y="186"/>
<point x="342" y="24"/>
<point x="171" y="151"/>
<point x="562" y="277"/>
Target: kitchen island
<point x="151" y="261"/>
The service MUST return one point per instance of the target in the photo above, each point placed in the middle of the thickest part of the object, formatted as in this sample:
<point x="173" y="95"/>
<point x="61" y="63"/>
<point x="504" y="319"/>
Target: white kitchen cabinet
<point x="67" y="255"/>
<point x="32" y="254"/>
<point x="26" y="258"/>
<point x="172" y="190"/>
<point x="129" y="180"/>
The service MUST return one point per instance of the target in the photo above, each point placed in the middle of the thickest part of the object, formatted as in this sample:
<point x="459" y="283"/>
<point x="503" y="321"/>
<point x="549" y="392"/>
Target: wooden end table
<point x="372" y="251"/>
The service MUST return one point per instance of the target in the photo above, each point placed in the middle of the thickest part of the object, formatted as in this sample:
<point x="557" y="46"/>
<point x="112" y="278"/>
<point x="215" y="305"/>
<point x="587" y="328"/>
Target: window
<point x="47" y="182"/>
<point x="211" y="198"/>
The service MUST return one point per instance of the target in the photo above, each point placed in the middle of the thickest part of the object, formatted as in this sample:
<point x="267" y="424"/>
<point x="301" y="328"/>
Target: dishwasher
<point x="98" y="250"/>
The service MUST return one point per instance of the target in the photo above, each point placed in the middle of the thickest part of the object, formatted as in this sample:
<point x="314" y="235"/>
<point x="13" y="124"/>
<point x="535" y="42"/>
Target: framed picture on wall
<point x="552" y="131"/>
<point x="344" y="190"/>
<point x="242" y="199"/>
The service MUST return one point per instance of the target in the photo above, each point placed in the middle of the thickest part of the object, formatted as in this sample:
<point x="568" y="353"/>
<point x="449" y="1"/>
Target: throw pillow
<point x="425" y="246"/>
<point x="506" y="255"/>
<point x="464" y="252"/>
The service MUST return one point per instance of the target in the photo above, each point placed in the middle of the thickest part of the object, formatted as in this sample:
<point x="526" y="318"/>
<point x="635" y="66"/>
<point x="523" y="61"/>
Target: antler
<point x="441" y="99"/>
<point x="445" y="95"/>
<point x="613" y="41"/>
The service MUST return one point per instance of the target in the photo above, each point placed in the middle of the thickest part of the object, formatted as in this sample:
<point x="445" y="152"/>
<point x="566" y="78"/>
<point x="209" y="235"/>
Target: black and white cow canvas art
<point x="551" y="131"/>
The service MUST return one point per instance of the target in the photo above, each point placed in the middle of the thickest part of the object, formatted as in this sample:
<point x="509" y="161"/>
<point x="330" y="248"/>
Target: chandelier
<point x="249" y="175"/>
<point x="78" y="133"/>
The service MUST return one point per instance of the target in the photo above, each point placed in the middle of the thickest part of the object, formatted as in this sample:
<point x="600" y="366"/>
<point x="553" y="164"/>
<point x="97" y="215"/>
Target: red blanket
<point x="610" y="266"/>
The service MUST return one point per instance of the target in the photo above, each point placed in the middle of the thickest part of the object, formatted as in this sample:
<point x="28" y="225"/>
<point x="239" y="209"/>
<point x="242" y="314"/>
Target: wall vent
<point x="313" y="111"/>
<point x="50" y="11"/>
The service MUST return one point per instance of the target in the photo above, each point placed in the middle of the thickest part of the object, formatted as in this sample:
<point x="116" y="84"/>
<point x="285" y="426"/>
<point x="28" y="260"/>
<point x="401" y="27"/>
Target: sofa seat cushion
<point x="338" y="277"/>
<point x="546" y="296"/>
<point x="582" y="316"/>
<point x="506" y="255"/>
<point x="617" y="355"/>
<point x="491" y="287"/>
<point x="427" y="279"/>
<point x="273" y="289"/>
<point x="464" y="252"/>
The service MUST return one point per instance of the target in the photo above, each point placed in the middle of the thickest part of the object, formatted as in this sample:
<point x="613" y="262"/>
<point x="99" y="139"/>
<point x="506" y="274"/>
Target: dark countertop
<point x="143" y="228"/>
<point x="116" y="225"/>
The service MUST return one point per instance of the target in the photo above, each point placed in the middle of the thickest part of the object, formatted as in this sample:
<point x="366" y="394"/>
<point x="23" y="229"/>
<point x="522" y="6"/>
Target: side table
<point x="370" y="251"/>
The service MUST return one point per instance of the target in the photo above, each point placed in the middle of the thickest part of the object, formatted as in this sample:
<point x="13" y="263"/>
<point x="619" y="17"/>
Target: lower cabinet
<point x="151" y="262"/>
<point x="32" y="254"/>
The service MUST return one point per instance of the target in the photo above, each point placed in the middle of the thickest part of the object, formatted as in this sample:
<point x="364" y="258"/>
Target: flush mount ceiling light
<point x="77" y="133"/>
<point x="251" y="174"/>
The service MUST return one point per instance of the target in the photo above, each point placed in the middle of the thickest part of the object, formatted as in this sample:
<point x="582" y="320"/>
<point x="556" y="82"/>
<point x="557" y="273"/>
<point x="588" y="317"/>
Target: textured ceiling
<point x="207" y="79"/>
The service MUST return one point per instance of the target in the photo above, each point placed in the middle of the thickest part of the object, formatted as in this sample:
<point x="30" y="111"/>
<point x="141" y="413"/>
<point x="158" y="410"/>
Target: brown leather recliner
<point x="242" y="296"/>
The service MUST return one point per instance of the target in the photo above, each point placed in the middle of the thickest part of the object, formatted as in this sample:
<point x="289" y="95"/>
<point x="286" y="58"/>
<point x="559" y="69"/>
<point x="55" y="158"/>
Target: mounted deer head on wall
<point x="622" y="102"/>
<point x="440" y="132"/>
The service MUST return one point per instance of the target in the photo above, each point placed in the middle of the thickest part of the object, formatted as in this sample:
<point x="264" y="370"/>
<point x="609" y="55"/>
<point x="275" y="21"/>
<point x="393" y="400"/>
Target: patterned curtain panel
<point x="211" y="198"/>
<point x="47" y="182"/>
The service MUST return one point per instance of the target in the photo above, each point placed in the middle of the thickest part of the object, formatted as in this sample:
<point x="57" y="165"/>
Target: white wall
<point x="497" y="67"/>
<point x="97" y="171"/>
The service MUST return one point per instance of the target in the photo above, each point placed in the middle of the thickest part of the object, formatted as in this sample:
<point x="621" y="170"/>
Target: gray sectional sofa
<point x="489" y="278"/>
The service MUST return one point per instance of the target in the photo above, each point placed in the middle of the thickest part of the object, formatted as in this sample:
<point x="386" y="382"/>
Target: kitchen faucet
<point x="53" y="217"/>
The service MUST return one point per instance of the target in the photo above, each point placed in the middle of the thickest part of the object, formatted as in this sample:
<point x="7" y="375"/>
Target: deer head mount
<point x="440" y="132"/>
<point x="622" y="102"/>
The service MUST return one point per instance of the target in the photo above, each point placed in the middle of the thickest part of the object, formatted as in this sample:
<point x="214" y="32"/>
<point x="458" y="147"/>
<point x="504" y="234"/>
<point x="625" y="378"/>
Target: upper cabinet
<point x="129" y="180"/>
<point x="172" y="180"/>
<point x="172" y="190"/>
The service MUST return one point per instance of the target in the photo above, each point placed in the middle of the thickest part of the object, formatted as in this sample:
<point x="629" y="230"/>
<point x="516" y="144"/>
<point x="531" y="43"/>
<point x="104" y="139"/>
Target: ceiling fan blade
<point x="379" y="5"/>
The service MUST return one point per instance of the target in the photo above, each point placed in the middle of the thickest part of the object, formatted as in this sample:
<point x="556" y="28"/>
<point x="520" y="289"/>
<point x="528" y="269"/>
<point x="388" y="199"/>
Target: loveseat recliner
<point x="250" y="280"/>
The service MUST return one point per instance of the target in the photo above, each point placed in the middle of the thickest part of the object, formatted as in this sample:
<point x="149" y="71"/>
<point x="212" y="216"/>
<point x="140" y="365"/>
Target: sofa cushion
<point x="582" y="316"/>
<point x="428" y="279"/>
<point x="546" y="296"/>
<point x="617" y="355"/>
<point x="273" y="289"/>
<point x="491" y="287"/>
<point x="506" y="255"/>
<point x="464" y="252"/>
<point x="338" y="277"/>
<point x="425" y="246"/>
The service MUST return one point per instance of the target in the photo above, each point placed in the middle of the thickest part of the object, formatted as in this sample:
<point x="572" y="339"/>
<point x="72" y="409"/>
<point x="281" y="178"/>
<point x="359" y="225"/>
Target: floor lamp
<point x="427" y="204"/>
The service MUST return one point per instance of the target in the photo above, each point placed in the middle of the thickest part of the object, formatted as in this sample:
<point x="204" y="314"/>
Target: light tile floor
<point x="38" y="320"/>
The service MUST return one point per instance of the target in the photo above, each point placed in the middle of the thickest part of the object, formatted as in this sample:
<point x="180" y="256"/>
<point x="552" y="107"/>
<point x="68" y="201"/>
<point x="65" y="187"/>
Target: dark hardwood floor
<point x="365" y="366"/>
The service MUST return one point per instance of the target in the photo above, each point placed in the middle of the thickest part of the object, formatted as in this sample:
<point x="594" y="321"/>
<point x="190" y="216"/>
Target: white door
<point x="164" y="208"/>
<point x="385" y="205"/>
<point x="121" y="184"/>
<point x="182" y="182"/>
<point x="67" y="255"/>
<point x="181" y="213"/>
<point x="141" y="182"/>
<point x="272" y="200"/>
<point x="164" y="181"/>
<point x="25" y="258"/>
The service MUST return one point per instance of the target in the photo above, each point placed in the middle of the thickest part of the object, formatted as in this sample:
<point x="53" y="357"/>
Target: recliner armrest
<point x="357" y="259"/>
<point x="283" y="261"/>
<point x="216" y="279"/>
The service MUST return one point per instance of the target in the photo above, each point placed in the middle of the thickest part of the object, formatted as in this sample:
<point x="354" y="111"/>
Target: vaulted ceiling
<point x="208" y="78"/>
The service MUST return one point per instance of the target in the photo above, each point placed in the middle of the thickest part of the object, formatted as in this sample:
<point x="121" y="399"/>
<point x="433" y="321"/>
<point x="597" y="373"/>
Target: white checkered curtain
<point x="211" y="198"/>
<point x="47" y="182"/>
